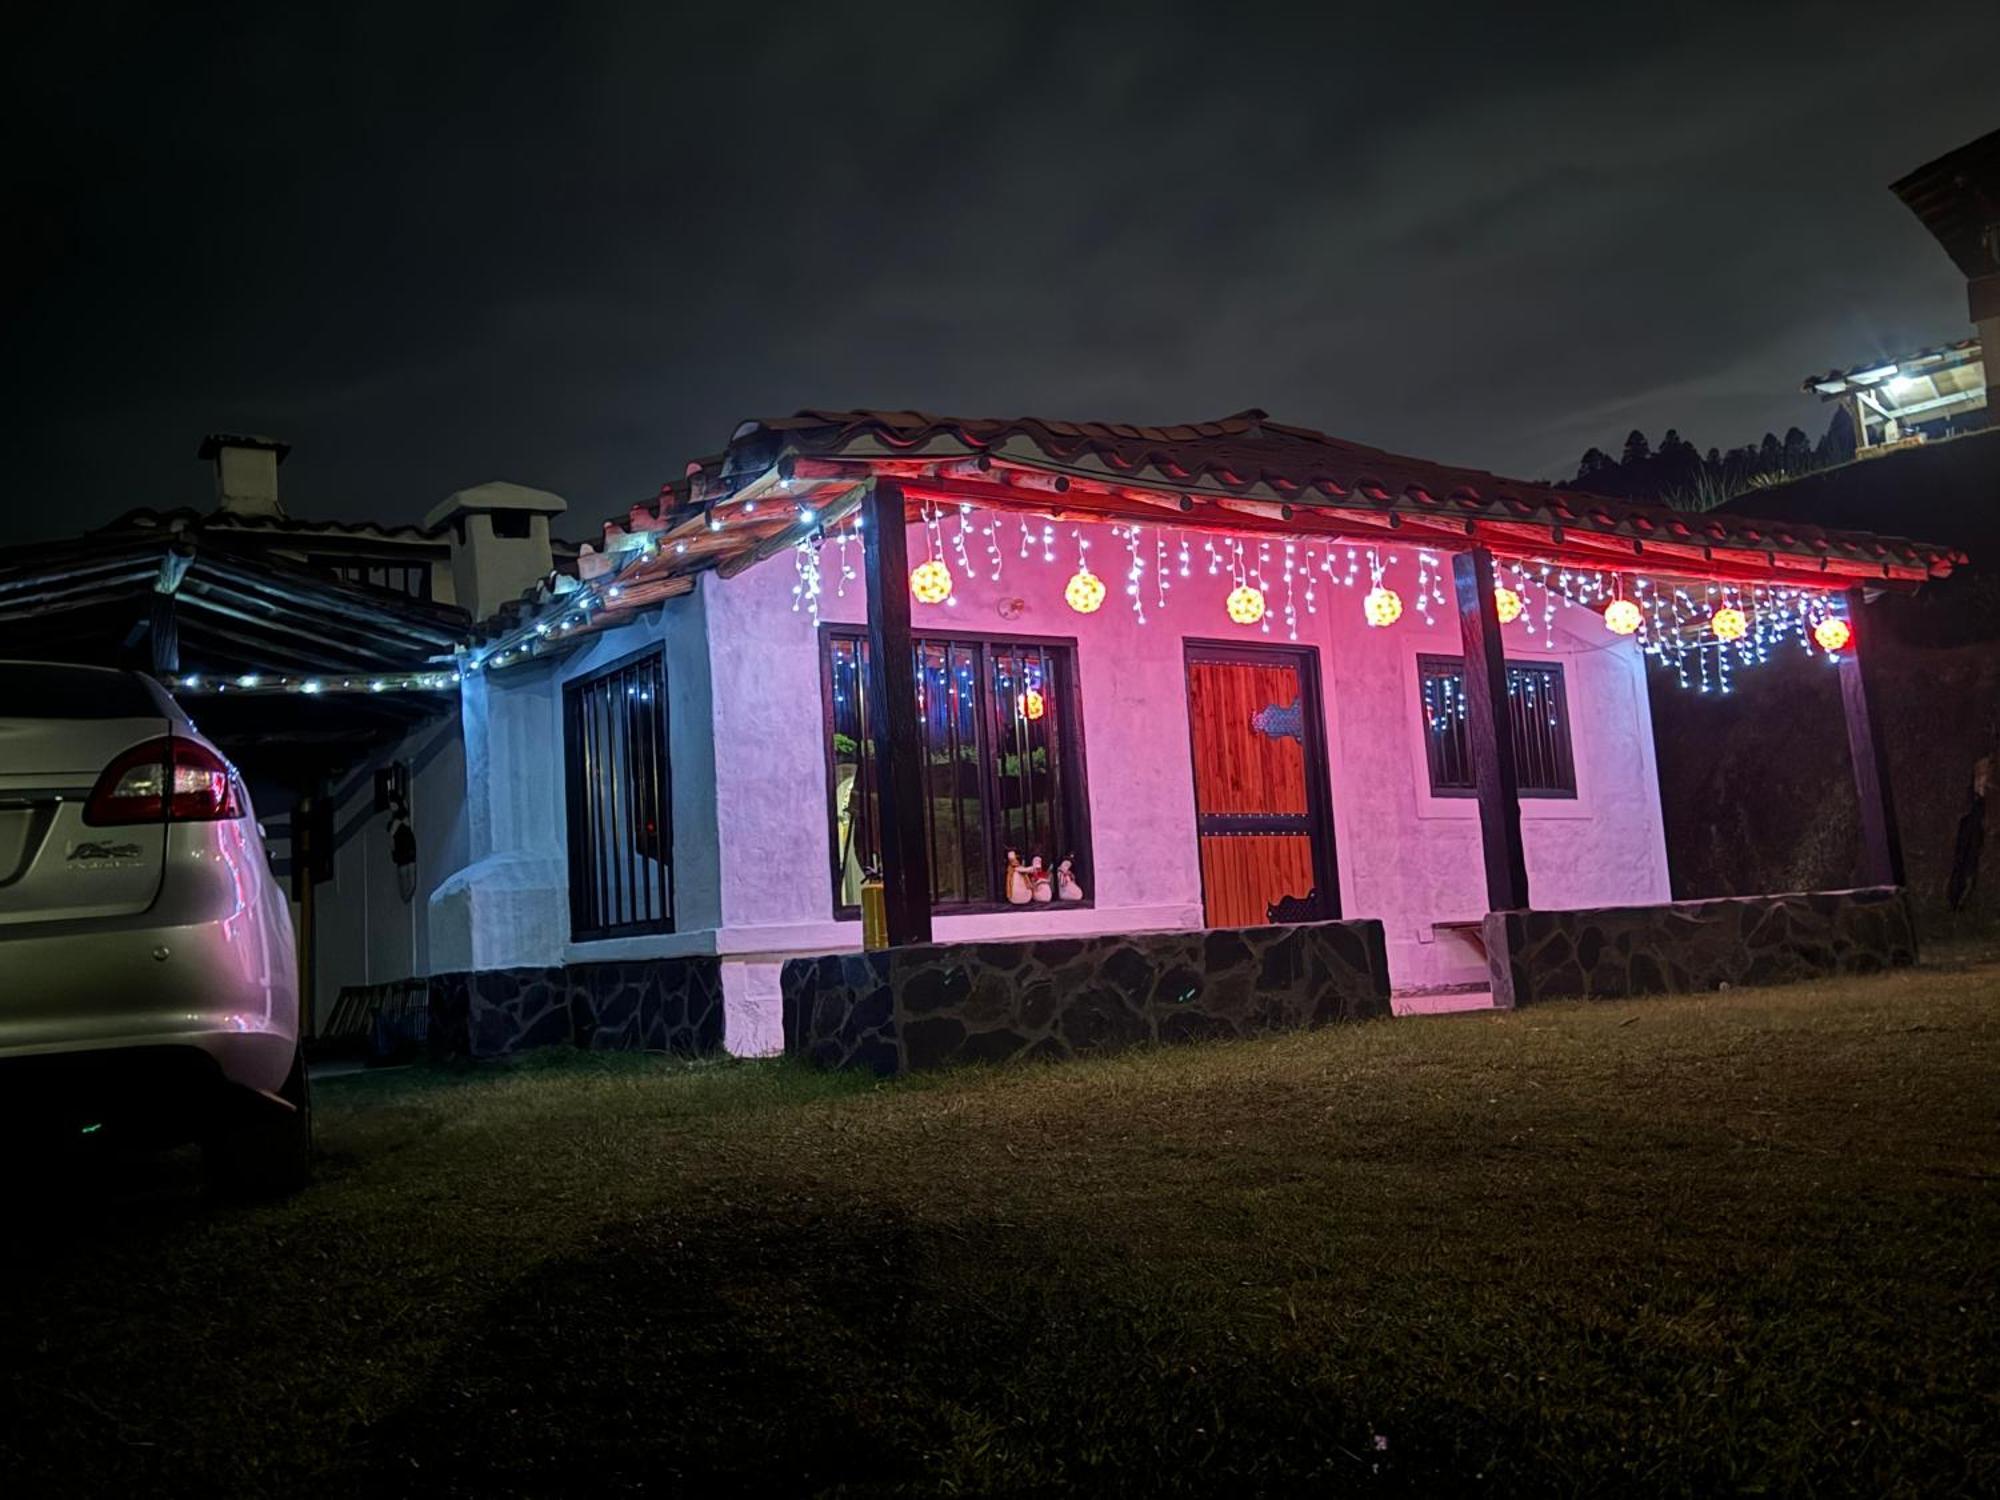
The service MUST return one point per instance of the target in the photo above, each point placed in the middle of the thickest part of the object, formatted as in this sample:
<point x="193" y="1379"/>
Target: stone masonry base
<point x="1686" y="946"/>
<point x="898" y="1010"/>
<point x="651" y="1005"/>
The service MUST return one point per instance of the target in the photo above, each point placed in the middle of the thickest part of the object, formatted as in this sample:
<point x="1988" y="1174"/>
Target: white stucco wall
<point x="508" y="907"/>
<point x="750" y="794"/>
<point x="367" y="932"/>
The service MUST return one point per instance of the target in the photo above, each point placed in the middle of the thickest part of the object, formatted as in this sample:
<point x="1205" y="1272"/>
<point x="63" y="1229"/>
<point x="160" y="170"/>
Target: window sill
<point x="980" y="909"/>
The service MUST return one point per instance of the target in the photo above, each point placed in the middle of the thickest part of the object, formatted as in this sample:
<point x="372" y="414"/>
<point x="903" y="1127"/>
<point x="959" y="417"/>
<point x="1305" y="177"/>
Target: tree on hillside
<point x="1595" y="462"/>
<point x="1678" y="473"/>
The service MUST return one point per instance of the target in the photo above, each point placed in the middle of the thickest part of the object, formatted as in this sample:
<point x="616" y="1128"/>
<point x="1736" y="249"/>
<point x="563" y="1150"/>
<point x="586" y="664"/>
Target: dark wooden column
<point x="894" y="740"/>
<point x="163" y="632"/>
<point x="1489" y="732"/>
<point x="1881" y="843"/>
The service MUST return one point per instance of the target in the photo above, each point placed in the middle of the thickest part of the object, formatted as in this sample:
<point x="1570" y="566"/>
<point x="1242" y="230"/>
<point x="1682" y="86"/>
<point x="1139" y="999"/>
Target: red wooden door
<point x="1253" y="718"/>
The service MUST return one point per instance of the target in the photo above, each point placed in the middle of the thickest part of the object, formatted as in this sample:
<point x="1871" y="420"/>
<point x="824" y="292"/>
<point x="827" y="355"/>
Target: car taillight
<point x="164" y="780"/>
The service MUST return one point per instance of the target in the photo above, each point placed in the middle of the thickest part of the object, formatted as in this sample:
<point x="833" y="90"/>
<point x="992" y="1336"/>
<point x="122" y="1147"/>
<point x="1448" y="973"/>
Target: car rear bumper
<point x="220" y="989"/>
<point x="159" y="1095"/>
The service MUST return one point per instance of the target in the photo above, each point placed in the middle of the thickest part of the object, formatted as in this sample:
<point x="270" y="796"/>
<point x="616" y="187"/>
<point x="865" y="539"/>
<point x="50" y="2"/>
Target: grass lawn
<point x="1738" y="1244"/>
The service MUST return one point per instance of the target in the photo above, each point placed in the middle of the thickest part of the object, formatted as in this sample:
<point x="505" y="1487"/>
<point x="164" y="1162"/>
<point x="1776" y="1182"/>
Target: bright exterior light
<point x="930" y="582"/>
<point x="1729" y="623"/>
<point x="1383" y="606"/>
<point x="1833" y="633"/>
<point x="1621" y="617"/>
<point x="1084" y="592"/>
<point x="1246" y="604"/>
<point x="1032" y="706"/>
<point x="1507" y="605"/>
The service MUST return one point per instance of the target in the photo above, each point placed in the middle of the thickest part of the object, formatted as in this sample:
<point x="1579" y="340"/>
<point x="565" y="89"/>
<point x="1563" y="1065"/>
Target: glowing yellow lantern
<point x="930" y="582"/>
<point x="1833" y="633"/>
<point x="1085" y="591"/>
<point x="1728" y="623"/>
<point x="1382" y="606"/>
<point x="1507" y="605"/>
<point x="1246" y="604"/>
<point x="1032" y="706"/>
<point x="1621" y="617"/>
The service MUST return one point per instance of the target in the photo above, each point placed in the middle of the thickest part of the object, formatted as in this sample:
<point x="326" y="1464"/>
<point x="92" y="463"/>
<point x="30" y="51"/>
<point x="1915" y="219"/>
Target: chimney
<point x="246" y="472"/>
<point x="499" y="541"/>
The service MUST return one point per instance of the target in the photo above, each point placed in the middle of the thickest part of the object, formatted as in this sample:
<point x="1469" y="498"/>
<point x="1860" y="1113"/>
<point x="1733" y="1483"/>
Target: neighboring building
<point x="1159" y="655"/>
<point x="1911" y="399"/>
<point x="1957" y="197"/>
<point x="320" y="656"/>
<point x="1935" y="393"/>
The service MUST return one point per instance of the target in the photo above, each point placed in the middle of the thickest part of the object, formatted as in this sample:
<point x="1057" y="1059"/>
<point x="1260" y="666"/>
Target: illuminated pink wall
<point x="1405" y="857"/>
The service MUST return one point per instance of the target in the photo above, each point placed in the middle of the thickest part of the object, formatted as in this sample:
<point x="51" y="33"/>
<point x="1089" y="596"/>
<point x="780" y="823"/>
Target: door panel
<point x="1244" y="875"/>
<point x="1260" y="773"/>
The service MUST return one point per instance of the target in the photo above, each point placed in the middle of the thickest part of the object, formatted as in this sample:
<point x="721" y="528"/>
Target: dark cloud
<point x="436" y="245"/>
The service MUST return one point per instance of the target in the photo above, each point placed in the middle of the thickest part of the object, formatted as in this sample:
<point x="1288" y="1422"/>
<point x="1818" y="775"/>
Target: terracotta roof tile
<point x="1250" y="455"/>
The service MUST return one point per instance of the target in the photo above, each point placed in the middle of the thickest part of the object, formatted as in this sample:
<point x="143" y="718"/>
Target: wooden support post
<point x="895" y="741"/>
<point x="164" y="635"/>
<point x="1490" y="733"/>
<point x="1881" y="843"/>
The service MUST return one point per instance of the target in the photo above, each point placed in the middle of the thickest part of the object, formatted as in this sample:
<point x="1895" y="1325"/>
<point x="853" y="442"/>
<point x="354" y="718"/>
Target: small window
<point x="1003" y="765"/>
<point x="1537" y="709"/>
<point x="620" y="799"/>
<point x="413" y="580"/>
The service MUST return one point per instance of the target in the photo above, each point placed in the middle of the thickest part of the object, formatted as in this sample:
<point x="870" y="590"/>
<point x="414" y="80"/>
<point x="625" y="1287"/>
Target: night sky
<point x="432" y="246"/>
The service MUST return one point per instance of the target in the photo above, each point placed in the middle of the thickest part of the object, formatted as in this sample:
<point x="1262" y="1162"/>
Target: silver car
<point x="148" y="987"/>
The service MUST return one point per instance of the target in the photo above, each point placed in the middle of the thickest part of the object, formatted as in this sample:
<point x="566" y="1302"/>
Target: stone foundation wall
<point x="1685" y="946"/>
<point x="650" y="1005"/>
<point x="903" y="1009"/>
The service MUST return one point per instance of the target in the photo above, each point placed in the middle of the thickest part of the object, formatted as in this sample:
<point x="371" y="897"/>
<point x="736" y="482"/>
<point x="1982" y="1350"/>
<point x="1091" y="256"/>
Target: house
<point x="1204" y="729"/>
<point x="1248" y="702"/>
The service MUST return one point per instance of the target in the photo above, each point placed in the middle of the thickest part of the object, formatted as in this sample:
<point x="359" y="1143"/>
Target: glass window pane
<point x="992" y="768"/>
<point x="620" y="827"/>
<point x="1537" y="714"/>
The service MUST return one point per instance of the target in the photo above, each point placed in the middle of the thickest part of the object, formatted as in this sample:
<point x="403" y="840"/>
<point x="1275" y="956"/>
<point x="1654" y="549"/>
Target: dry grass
<point x="1696" y="1246"/>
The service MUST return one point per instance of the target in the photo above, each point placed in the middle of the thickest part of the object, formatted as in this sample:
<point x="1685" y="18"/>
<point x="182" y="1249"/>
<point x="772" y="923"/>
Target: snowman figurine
<point x="1066" y="887"/>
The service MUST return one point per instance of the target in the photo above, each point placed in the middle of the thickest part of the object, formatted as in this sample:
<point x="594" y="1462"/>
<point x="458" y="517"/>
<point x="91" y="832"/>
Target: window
<point x="620" y="821"/>
<point x="1003" y="764"/>
<point x="413" y="579"/>
<point x="1537" y="708"/>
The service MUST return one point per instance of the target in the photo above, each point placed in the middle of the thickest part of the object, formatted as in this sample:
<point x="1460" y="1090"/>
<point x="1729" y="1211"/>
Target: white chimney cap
<point x="495" y="495"/>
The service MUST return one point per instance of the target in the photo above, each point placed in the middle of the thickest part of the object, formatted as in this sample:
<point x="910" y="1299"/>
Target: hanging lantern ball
<point x="1729" y="623"/>
<point x="1621" y="617"/>
<point x="1032" y="706"/>
<point x="1507" y="605"/>
<point x="930" y="582"/>
<point x="1383" y="606"/>
<point x="1085" y="591"/>
<point x="1833" y="633"/>
<point x="1246" y="604"/>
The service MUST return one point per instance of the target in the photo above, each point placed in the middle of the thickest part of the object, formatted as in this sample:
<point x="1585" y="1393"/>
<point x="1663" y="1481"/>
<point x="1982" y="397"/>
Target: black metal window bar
<point x="1537" y="712"/>
<point x="621" y="840"/>
<point x="1002" y="764"/>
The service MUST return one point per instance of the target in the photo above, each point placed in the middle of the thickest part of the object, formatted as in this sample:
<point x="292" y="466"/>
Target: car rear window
<point x="38" y="690"/>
